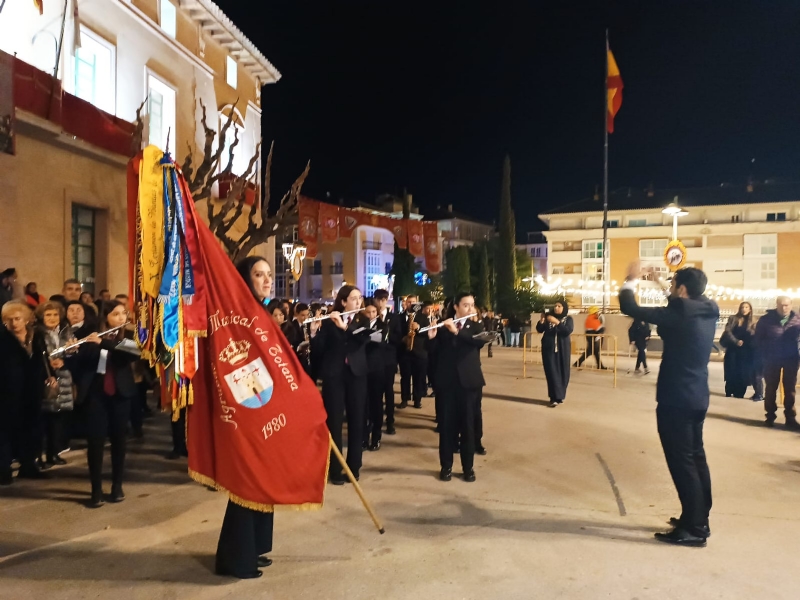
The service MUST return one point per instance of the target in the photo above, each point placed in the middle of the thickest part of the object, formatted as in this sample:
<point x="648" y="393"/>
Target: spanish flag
<point x="39" y="4"/>
<point x="614" y="87"/>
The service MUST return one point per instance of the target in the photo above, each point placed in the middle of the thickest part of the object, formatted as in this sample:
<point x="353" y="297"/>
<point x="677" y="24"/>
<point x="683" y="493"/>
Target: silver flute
<point x="328" y="316"/>
<point x="63" y="349"/>
<point x="429" y="327"/>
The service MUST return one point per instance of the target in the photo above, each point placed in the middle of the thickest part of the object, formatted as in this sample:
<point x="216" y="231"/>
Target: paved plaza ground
<point x="564" y="506"/>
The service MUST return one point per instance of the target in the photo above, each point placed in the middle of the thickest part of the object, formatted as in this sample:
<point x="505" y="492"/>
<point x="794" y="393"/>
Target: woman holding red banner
<point x="246" y="534"/>
<point x="340" y="345"/>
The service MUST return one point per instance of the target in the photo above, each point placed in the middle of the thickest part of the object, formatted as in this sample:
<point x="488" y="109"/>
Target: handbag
<point x="50" y="391"/>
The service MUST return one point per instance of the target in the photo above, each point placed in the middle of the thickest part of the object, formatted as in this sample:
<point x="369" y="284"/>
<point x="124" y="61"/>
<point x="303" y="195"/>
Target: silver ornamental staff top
<point x="63" y="349"/>
<point x="442" y="323"/>
<point x="328" y="316"/>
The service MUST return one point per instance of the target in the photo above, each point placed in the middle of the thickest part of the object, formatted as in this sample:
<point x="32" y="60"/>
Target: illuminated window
<point x="95" y="71"/>
<point x="231" y="72"/>
<point x="592" y="249"/>
<point x="161" y="112"/>
<point x="652" y="248"/>
<point x="168" y="18"/>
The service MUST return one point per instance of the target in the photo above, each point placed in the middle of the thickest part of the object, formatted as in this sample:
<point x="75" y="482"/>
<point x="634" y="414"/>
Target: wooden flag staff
<point x="352" y="479"/>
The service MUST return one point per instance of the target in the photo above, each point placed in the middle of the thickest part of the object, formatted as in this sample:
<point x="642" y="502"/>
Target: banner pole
<point x="357" y="487"/>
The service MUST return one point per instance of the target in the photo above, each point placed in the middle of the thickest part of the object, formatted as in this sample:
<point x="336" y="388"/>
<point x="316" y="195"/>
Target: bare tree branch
<point x="138" y="132"/>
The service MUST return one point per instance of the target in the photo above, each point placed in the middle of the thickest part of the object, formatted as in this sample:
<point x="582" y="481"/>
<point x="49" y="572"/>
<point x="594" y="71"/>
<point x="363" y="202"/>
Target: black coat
<point x="83" y="367"/>
<point x="337" y="350"/>
<point x="686" y="327"/>
<point x="420" y="348"/>
<point x="392" y="338"/>
<point x="458" y="356"/>
<point x="638" y="333"/>
<point x="556" y="355"/>
<point x="375" y="351"/>
<point x="22" y="380"/>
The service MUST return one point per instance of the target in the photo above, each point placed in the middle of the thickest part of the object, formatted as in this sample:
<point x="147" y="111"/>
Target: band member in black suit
<point x="391" y="339"/>
<point x="375" y="380"/>
<point x="459" y="379"/>
<point x="339" y="344"/>
<point x="246" y="534"/>
<point x="413" y="354"/>
<point x="103" y="373"/>
<point x="298" y="336"/>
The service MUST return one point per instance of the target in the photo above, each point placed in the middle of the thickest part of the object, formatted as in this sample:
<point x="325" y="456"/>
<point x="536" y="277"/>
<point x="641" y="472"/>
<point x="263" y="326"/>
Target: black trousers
<point x="413" y="370"/>
<point x="348" y="392"/>
<point x="179" y="434"/>
<point x="374" y="412"/>
<point x="457" y="409"/>
<point x="641" y="356"/>
<point x="479" y="419"/>
<point x="681" y="433"/>
<point x="54" y="433"/>
<point x="592" y="349"/>
<point x="388" y="392"/>
<point x="245" y="535"/>
<point x="107" y="416"/>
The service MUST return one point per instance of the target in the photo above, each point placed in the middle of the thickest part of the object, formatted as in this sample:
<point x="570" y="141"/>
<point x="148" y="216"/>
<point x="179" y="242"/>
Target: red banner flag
<point x="349" y="220"/>
<point x="308" y="230"/>
<point x="256" y="428"/>
<point x="329" y="222"/>
<point x="415" y="244"/>
<point x="614" y="87"/>
<point x="433" y="260"/>
<point x="398" y="228"/>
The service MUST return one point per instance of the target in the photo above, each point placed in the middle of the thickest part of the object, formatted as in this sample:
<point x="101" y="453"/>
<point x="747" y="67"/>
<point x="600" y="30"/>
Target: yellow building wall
<point x="623" y="252"/>
<point x="788" y="255"/>
<point x="36" y="228"/>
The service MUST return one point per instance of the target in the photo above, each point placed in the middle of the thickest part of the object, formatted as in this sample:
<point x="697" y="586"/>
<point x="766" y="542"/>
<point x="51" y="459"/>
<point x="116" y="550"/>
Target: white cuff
<point x="630" y="285"/>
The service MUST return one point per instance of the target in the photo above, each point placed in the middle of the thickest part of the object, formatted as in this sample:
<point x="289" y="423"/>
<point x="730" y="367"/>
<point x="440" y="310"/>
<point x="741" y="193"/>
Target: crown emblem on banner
<point x="235" y="352"/>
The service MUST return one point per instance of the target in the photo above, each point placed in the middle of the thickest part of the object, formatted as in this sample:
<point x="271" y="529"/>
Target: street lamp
<point x="674" y="211"/>
<point x="294" y="254"/>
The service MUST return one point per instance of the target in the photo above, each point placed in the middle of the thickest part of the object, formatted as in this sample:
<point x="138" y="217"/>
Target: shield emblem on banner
<point x="251" y="384"/>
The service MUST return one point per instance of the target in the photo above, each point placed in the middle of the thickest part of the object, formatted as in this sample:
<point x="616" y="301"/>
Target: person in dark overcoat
<point x="556" y="327"/>
<point x="739" y="343"/>
<point x="459" y="381"/>
<point x="22" y="384"/>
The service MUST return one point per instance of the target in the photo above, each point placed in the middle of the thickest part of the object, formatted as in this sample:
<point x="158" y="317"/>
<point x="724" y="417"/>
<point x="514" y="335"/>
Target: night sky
<point x="431" y="95"/>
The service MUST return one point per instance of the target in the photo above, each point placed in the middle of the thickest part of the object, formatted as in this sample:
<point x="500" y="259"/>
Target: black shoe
<point x="263" y="561"/>
<point x="681" y="537"/>
<point x="446" y="474"/>
<point x="31" y="473"/>
<point x="375" y="446"/>
<point x="675" y="522"/>
<point x="418" y="404"/>
<point x="403" y="404"/>
<point x="173" y="455"/>
<point x="553" y="404"/>
<point x="480" y="450"/>
<point x="96" y="501"/>
<point x="117" y="495"/>
<point x="56" y="460"/>
<point x="792" y="425"/>
<point x="6" y="478"/>
<point x="390" y="430"/>
<point x="365" y="444"/>
<point x="43" y="465"/>
<point x="770" y="422"/>
<point x="254" y="575"/>
<point x="338" y="480"/>
<point x="469" y="475"/>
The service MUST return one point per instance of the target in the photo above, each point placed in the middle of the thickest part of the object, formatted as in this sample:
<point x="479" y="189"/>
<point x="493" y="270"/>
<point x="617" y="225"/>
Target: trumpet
<point x="328" y="316"/>
<point x="63" y="349"/>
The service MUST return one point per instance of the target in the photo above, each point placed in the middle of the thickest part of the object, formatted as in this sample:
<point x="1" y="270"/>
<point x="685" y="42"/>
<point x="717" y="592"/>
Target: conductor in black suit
<point x="687" y="326"/>
<point x="459" y="381"/>
<point x="339" y="346"/>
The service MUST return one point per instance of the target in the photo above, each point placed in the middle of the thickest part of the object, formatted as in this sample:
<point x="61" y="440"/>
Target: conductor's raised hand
<point x="634" y="271"/>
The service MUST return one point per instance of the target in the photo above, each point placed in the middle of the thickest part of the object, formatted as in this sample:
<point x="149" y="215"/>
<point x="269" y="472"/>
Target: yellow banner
<point x="151" y="211"/>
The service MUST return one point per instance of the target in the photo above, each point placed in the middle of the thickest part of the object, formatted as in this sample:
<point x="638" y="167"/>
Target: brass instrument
<point x="304" y="347"/>
<point x="411" y="333"/>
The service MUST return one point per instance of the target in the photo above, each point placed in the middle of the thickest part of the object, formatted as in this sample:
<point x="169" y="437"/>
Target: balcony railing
<point x="316" y="270"/>
<point x="337" y="269"/>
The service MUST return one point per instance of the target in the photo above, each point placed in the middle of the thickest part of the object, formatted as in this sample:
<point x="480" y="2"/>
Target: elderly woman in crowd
<point x="23" y="377"/>
<point x="55" y="407"/>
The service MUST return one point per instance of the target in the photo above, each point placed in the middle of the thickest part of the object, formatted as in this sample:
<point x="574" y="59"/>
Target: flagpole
<point x="61" y="40"/>
<point x="606" y="287"/>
